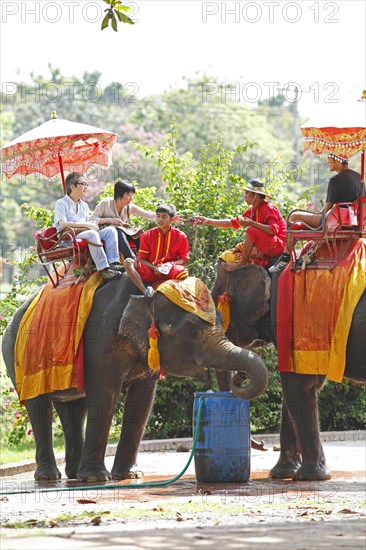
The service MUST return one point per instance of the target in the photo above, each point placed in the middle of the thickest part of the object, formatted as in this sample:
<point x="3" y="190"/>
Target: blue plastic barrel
<point x="223" y="445"/>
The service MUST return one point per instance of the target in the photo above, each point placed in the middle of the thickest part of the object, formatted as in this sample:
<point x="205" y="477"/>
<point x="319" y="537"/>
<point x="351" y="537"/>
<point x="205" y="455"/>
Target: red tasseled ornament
<point x="223" y="305"/>
<point x="153" y="357"/>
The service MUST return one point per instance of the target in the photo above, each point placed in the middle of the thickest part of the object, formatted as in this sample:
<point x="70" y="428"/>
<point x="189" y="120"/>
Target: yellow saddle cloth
<point x="192" y="295"/>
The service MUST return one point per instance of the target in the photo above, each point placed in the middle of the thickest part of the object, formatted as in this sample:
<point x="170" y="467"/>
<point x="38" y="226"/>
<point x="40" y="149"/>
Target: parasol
<point x="55" y="146"/>
<point x="339" y="129"/>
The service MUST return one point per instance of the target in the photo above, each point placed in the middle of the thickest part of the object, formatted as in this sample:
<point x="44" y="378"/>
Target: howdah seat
<point x="58" y="248"/>
<point x="344" y="222"/>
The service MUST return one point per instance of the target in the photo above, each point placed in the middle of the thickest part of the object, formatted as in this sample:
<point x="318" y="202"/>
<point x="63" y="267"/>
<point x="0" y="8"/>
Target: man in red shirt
<point x="265" y="234"/>
<point x="163" y="253"/>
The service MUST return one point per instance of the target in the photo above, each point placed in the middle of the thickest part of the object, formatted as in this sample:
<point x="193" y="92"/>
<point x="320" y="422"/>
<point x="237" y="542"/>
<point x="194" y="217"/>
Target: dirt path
<point x="186" y="514"/>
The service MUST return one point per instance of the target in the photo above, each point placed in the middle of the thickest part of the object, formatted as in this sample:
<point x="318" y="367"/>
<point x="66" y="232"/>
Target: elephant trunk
<point x="228" y="357"/>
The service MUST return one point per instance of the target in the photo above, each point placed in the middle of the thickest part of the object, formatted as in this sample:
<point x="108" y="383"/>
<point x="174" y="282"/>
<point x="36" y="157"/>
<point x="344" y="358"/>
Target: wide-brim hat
<point x="256" y="186"/>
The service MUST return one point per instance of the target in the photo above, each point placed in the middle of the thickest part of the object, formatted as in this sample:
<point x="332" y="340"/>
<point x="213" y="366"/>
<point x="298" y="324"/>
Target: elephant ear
<point x="249" y="288"/>
<point x="133" y="326"/>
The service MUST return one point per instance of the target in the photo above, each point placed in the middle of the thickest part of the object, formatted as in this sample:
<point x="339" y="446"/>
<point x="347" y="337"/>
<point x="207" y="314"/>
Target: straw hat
<point x="256" y="186"/>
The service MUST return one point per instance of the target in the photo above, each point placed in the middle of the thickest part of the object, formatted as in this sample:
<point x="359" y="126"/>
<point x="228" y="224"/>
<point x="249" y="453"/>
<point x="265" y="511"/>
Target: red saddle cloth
<point x="49" y="345"/>
<point x="314" y="314"/>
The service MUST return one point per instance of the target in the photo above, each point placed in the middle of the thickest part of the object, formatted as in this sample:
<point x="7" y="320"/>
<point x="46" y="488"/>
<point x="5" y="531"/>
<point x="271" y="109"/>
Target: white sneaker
<point x="149" y="292"/>
<point x="279" y="266"/>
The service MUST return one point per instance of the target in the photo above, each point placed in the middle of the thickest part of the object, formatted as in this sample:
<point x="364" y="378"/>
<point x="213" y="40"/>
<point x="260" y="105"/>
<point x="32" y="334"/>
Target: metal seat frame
<point x="63" y="248"/>
<point x="330" y="236"/>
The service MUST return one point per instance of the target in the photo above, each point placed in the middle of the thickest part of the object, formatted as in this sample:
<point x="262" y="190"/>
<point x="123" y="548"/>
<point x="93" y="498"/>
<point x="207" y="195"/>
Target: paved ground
<point x="279" y="514"/>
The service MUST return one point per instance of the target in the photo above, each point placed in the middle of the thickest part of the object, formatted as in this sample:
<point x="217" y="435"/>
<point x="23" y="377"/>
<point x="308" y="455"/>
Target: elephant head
<point x="249" y="288"/>
<point x="188" y="346"/>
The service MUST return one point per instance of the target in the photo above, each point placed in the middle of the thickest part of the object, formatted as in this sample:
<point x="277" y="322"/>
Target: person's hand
<point x="244" y="221"/>
<point x="198" y="220"/>
<point x="178" y="219"/>
<point x="91" y="225"/>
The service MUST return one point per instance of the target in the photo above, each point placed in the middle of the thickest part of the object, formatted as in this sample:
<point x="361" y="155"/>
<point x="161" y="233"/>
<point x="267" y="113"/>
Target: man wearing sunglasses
<point x="72" y="212"/>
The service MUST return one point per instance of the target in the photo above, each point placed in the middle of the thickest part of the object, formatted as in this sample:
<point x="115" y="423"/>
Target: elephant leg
<point x="100" y="409"/>
<point x="72" y="417"/>
<point x="138" y="404"/>
<point x="290" y="456"/>
<point x="300" y="396"/>
<point x="40" y="415"/>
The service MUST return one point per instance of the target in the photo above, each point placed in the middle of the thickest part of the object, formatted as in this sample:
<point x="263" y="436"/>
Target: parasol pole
<point x="363" y="166"/>
<point x="62" y="172"/>
<point x="53" y="117"/>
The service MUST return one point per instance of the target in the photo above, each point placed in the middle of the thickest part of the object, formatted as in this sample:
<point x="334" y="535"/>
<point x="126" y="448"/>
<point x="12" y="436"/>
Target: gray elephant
<point x="116" y="347"/>
<point x="253" y="314"/>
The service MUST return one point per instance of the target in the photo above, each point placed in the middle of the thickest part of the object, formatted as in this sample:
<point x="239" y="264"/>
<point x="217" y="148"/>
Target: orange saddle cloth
<point x="314" y="314"/>
<point x="48" y="348"/>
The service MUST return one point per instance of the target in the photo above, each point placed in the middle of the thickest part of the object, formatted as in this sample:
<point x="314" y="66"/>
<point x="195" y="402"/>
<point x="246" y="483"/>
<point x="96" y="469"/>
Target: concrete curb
<point x="160" y="445"/>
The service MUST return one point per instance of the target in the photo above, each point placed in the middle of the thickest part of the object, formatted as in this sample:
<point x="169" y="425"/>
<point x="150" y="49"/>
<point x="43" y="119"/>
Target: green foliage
<point x="171" y="416"/>
<point x="117" y="10"/>
<point x="42" y="217"/>
<point x="14" y="419"/>
<point x="210" y="187"/>
<point x="24" y="281"/>
<point x="172" y="413"/>
<point x="342" y="406"/>
<point x="265" y="410"/>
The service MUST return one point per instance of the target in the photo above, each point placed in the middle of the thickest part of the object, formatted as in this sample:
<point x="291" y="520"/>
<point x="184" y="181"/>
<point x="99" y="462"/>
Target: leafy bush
<point x="342" y="406"/>
<point x="265" y="410"/>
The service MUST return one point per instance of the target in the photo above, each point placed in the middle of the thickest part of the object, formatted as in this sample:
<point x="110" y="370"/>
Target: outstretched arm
<point x="149" y="215"/>
<point x="202" y="220"/>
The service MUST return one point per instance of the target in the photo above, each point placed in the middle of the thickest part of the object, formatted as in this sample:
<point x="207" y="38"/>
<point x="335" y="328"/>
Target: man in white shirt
<point x="72" y="212"/>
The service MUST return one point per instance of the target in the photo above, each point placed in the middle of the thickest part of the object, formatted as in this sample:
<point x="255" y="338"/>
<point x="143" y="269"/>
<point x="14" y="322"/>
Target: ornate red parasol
<point x="55" y="146"/>
<point x="338" y="129"/>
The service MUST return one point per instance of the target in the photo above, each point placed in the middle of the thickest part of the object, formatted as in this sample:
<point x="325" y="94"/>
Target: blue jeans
<point x="102" y="257"/>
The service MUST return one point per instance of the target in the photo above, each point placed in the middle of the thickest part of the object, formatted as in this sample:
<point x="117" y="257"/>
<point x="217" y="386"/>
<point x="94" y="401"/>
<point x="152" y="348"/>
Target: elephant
<point x="253" y="321"/>
<point x="115" y="361"/>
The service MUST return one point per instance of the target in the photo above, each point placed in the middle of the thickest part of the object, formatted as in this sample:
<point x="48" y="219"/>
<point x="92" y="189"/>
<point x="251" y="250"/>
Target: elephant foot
<point x="286" y="467"/>
<point x="71" y="474"/>
<point x="93" y="475"/>
<point x="71" y="469"/>
<point x="131" y="473"/>
<point x="47" y="473"/>
<point x="319" y="472"/>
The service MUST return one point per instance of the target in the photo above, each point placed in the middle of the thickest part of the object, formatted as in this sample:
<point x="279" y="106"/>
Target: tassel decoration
<point x="223" y="305"/>
<point x="153" y="357"/>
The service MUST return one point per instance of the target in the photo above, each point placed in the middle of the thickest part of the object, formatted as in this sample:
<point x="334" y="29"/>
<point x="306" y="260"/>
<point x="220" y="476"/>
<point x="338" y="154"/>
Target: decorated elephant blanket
<point x="192" y="295"/>
<point x="314" y="315"/>
<point x="48" y="348"/>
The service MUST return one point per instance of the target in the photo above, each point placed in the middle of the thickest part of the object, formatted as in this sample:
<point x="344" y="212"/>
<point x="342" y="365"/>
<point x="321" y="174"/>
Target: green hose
<point x="119" y="486"/>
